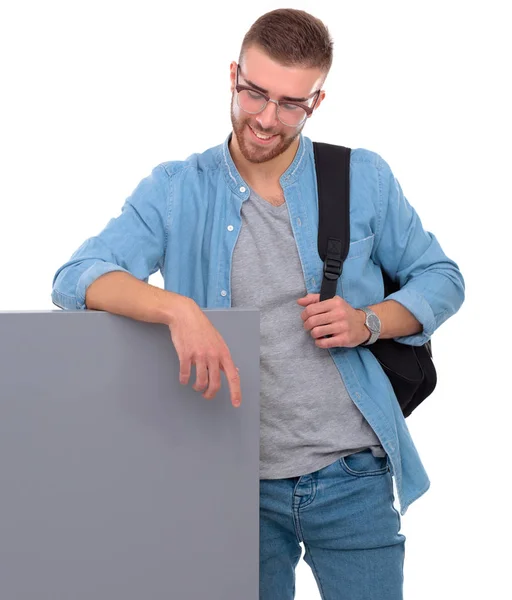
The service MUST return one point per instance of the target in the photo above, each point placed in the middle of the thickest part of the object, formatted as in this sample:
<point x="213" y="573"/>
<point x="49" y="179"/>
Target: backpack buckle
<point x="332" y="268"/>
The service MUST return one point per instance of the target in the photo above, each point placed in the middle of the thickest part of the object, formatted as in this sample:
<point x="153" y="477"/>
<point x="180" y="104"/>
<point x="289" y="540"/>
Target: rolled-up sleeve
<point x="431" y="284"/>
<point x="133" y="242"/>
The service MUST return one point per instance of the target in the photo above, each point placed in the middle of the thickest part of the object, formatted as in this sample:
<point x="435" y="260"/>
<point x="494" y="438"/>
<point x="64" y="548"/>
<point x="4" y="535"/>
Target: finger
<point x="315" y="299"/>
<point x="309" y="299"/>
<point x="213" y="380"/>
<point x="233" y="378"/>
<point x="329" y="342"/>
<point x="316" y="308"/>
<point x="201" y="376"/>
<point x="185" y="366"/>
<point x="338" y="340"/>
<point x="321" y="331"/>
<point x="316" y="320"/>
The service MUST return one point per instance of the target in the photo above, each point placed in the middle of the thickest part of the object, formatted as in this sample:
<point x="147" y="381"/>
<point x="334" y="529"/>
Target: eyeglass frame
<point x="308" y="109"/>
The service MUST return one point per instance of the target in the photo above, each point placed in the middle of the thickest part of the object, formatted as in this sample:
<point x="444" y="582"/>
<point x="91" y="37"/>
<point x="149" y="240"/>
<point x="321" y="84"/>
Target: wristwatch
<point x="372" y="322"/>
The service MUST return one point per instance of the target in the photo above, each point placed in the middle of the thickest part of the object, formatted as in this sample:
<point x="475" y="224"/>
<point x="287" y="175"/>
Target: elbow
<point x="63" y="294"/>
<point x="459" y="290"/>
<point x="63" y="300"/>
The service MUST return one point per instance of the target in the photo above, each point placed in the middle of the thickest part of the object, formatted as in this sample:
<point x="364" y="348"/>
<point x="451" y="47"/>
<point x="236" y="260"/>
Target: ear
<point x="318" y="102"/>
<point x="232" y="74"/>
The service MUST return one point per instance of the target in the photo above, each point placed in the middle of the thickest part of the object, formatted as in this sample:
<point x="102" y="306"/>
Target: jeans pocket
<point x="364" y="464"/>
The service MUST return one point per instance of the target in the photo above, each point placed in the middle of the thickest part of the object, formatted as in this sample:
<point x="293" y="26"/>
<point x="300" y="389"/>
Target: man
<point x="237" y="226"/>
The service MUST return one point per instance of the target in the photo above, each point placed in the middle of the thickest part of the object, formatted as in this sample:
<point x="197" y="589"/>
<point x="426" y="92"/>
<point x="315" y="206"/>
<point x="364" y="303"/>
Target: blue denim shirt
<point x="184" y="220"/>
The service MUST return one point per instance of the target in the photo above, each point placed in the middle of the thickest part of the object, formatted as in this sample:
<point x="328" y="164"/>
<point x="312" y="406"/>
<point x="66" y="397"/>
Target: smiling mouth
<point x="262" y="136"/>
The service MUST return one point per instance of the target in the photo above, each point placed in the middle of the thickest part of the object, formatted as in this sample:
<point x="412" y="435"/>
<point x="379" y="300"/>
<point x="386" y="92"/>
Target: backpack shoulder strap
<point x="332" y="165"/>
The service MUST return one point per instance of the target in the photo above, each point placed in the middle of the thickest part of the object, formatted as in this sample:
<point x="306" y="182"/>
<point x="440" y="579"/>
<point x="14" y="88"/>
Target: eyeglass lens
<point x="253" y="102"/>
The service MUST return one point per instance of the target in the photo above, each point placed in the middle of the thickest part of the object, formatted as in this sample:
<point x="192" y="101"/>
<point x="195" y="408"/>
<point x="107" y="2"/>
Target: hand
<point x="333" y="317"/>
<point x="198" y="342"/>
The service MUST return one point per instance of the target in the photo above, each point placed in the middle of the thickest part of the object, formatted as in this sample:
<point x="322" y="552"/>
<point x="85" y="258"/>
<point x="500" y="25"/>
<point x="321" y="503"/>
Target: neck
<point x="267" y="173"/>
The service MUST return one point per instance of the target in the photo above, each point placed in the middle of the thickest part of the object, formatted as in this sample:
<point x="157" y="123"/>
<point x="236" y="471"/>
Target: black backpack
<point x="409" y="368"/>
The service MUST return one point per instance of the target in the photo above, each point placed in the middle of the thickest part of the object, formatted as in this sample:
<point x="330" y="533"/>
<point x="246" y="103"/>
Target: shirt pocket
<point x="357" y="278"/>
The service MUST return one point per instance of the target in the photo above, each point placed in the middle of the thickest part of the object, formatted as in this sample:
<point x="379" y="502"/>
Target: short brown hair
<point x="292" y="38"/>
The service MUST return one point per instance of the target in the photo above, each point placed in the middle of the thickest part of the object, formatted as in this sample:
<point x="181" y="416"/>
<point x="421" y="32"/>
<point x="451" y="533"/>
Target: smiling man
<point x="267" y="129"/>
<point x="262" y="135"/>
<point x="333" y="436"/>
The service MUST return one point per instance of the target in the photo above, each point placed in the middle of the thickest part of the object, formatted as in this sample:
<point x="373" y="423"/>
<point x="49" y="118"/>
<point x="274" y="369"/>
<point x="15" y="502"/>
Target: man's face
<point x="278" y="82"/>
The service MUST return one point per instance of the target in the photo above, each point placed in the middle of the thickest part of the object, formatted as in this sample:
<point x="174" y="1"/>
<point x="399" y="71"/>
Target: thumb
<point x="309" y="299"/>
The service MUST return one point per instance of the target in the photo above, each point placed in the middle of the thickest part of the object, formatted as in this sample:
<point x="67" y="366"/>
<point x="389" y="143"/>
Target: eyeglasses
<point x="289" y="112"/>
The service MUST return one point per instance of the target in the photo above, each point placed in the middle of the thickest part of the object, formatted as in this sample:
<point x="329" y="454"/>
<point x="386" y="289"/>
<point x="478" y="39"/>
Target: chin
<point x="257" y="155"/>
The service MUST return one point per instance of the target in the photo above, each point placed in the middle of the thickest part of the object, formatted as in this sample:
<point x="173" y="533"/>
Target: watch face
<point x="373" y="323"/>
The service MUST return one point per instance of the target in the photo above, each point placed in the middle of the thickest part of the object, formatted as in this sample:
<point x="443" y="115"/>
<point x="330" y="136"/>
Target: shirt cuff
<point x="417" y="305"/>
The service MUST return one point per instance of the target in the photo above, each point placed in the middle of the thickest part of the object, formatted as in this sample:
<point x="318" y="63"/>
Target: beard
<point x="250" y="151"/>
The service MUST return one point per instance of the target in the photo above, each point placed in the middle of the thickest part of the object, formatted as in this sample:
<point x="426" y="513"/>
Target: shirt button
<point x="230" y="227"/>
<point x="299" y="223"/>
<point x="242" y="189"/>
<point x="223" y="293"/>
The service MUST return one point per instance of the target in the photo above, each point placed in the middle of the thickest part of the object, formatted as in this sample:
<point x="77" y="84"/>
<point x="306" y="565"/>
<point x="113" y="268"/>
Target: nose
<point x="267" y="119"/>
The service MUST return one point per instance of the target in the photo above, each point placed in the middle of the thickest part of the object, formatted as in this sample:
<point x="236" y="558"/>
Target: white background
<point x="95" y="94"/>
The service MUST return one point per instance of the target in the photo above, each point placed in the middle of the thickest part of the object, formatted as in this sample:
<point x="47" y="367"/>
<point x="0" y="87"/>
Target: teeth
<point x="262" y="137"/>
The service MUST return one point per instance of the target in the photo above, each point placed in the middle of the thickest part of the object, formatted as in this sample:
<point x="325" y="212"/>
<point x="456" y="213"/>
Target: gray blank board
<point x="117" y="482"/>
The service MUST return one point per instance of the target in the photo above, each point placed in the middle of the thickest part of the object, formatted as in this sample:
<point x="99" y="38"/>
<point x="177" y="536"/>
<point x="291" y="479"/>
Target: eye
<point x="290" y="107"/>
<point x="254" y="95"/>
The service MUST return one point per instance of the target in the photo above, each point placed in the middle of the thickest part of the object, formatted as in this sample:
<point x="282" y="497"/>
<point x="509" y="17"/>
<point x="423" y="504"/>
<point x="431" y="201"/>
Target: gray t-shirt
<point x="308" y="420"/>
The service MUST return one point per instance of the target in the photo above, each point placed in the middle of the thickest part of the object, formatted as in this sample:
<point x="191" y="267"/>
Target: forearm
<point x="123" y="294"/>
<point x="395" y="319"/>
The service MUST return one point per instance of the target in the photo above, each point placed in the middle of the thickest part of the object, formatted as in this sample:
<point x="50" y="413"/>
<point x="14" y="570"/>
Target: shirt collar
<point x="292" y="173"/>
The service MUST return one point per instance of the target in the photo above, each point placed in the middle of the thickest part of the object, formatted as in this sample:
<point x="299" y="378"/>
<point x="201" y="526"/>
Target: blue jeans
<point x="344" y="515"/>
